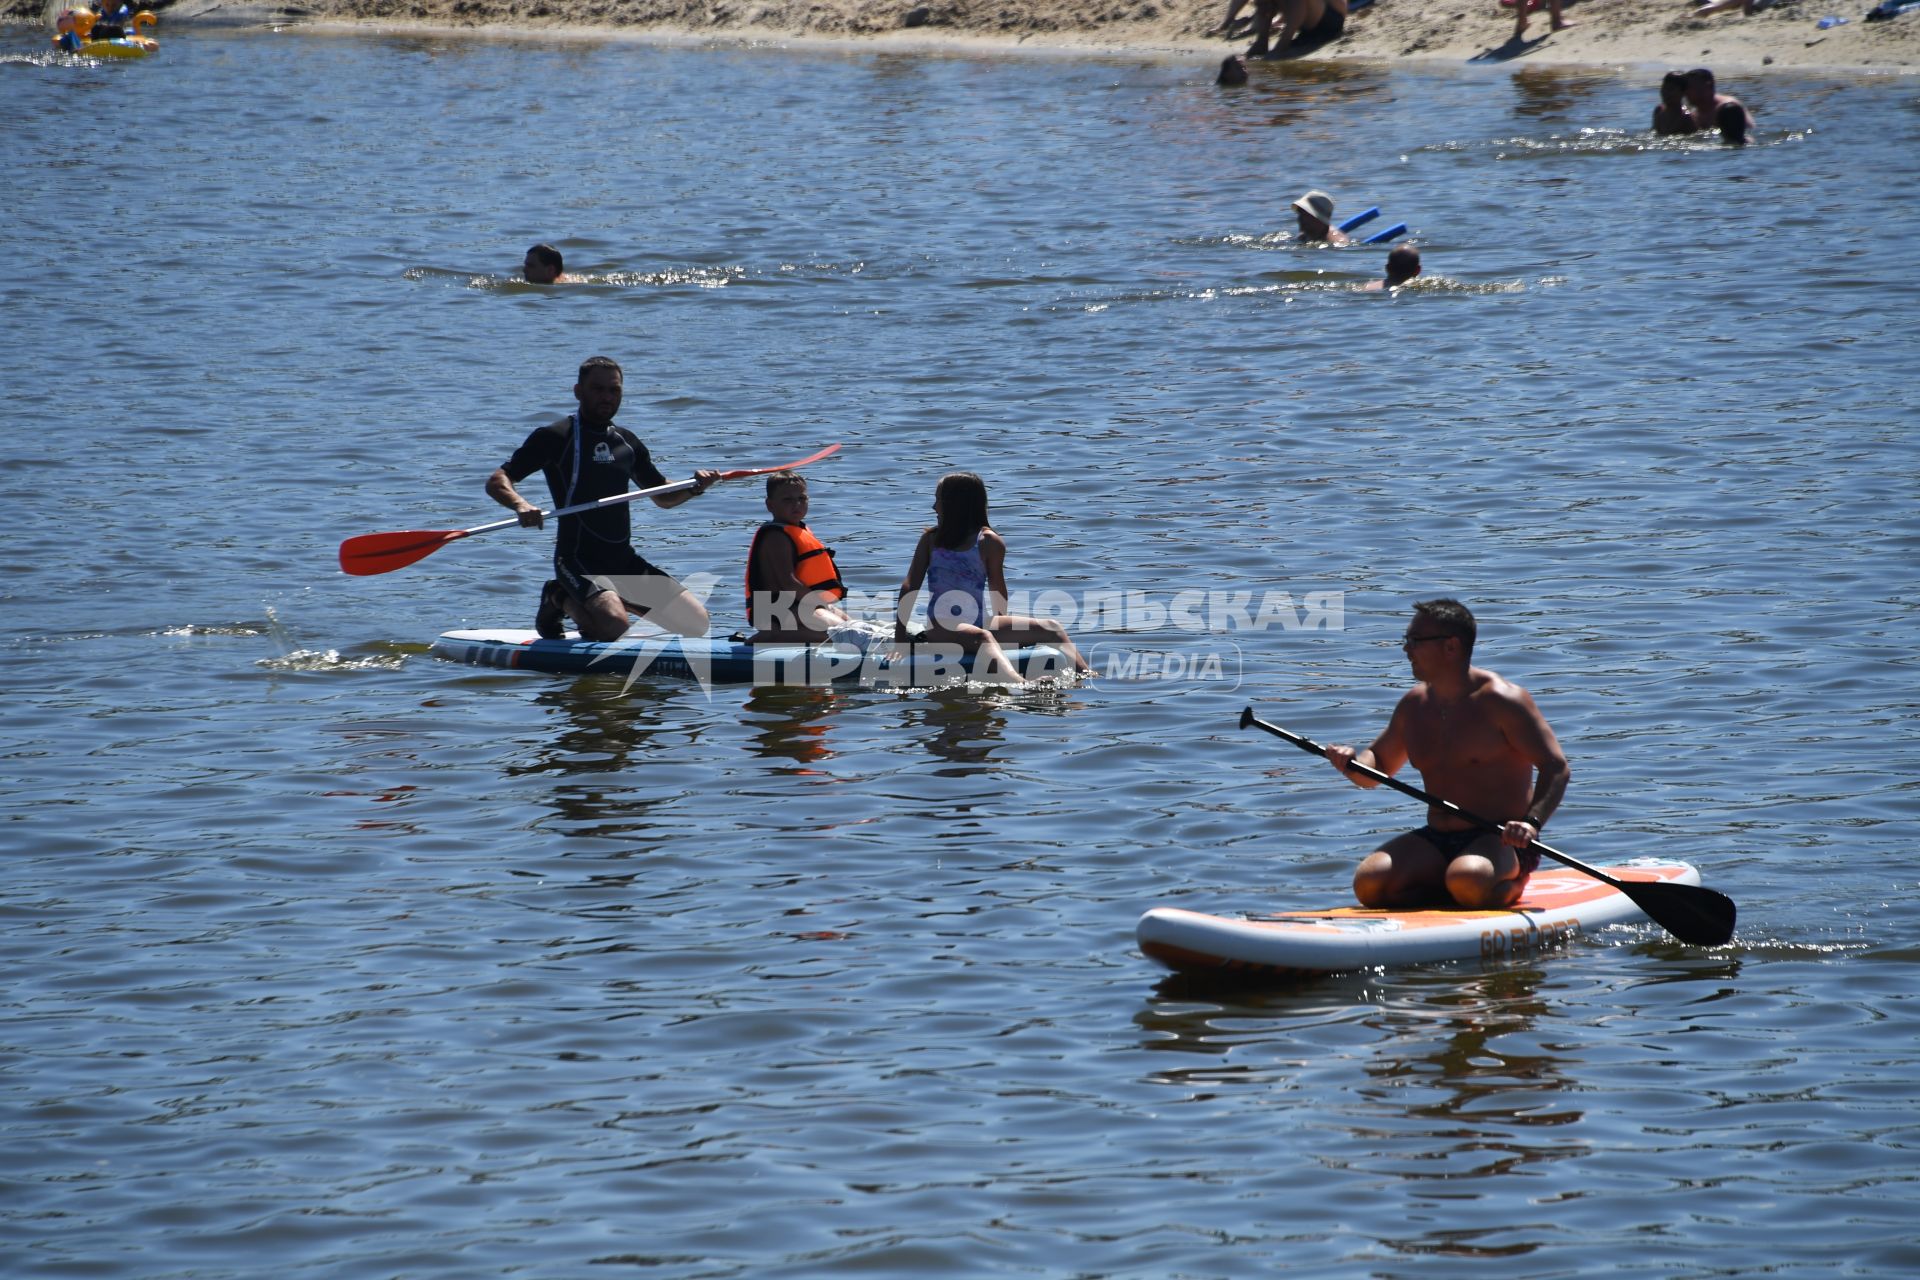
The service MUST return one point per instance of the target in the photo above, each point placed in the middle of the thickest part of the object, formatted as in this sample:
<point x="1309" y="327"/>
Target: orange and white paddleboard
<point x="1559" y="905"/>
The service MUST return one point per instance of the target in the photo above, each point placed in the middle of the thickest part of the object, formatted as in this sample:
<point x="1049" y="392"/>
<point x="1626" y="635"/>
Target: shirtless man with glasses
<point x="1477" y="740"/>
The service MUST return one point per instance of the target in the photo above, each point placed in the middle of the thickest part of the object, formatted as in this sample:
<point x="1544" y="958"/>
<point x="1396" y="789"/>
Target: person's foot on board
<point x="550" y="620"/>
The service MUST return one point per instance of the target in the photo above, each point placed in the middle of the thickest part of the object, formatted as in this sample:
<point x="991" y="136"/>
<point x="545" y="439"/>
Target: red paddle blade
<point x="372" y="553"/>
<point x="788" y="466"/>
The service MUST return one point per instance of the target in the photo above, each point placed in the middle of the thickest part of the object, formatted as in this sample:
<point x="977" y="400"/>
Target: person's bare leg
<point x="1406" y="871"/>
<point x="990" y="662"/>
<point x="655" y="597"/>
<point x="677" y="612"/>
<point x="1262" y="28"/>
<point x="603" y="616"/>
<point x="1021" y="631"/>
<point x="1297" y="16"/>
<point x="1486" y="875"/>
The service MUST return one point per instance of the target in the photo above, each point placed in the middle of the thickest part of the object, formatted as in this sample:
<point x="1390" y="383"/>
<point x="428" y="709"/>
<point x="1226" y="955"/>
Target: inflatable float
<point x="87" y="34"/>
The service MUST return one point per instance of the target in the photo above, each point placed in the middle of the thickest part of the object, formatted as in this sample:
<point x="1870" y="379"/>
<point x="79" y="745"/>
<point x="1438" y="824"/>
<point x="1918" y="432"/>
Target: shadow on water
<point x="1310" y="97"/>
<point x="792" y="723"/>
<point x="1546" y="92"/>
<point x="600" y="728"/>
<point x="602" y="737"/>
<point x="962" y="727"/>
<point x="1515" y="47"/>
<point x="1458" y="1090"/>
<point x="1191" y="1015"/>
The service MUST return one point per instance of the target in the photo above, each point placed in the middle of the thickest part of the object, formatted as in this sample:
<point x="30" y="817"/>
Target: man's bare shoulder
<point x="1412" y="709"/>
<point x="1504" y="700"/>
<point x="1497" y="688"/>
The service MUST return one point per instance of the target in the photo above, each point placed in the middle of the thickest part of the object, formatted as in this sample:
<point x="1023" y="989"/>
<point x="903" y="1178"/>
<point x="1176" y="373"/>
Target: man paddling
<point x="598" y="576"/>
<point x="1478" y="741"/>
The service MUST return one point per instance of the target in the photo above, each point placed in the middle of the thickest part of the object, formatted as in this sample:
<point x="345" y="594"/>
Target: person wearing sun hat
<point x="1314" y="212"/>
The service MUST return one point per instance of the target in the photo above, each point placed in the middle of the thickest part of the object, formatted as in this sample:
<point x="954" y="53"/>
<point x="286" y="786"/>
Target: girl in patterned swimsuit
<point x="963" y="564"/>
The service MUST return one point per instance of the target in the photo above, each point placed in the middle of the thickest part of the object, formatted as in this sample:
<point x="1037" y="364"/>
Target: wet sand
<point x="1784" y="34"/>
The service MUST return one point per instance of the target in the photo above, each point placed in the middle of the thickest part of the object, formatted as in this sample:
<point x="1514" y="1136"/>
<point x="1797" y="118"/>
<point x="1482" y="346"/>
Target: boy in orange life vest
<point x="793" y="586"/>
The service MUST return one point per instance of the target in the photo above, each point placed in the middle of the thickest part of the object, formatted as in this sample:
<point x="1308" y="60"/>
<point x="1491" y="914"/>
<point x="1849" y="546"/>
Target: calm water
<point x="325" y="958"/>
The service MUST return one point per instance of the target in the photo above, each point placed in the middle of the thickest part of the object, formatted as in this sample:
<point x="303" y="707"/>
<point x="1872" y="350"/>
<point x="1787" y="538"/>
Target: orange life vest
<point x="812" y="564"/>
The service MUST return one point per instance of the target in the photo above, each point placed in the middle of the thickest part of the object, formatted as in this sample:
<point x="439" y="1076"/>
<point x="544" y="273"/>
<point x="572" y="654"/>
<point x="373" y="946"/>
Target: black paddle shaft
<point x="1702" y="917"/>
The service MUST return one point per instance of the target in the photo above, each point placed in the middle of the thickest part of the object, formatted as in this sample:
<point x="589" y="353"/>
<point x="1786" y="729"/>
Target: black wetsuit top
<point x="580" y="465"/>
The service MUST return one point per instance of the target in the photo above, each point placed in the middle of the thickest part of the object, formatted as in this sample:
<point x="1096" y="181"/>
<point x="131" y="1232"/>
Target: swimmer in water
<point x="1314" y="214"/>
<point x="1403" y="264"/>
<point x="544" y="265"/>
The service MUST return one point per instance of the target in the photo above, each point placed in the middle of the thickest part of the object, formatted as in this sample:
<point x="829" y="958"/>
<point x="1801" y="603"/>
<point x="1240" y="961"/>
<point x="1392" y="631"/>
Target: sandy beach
<point x="1785" y="34"/>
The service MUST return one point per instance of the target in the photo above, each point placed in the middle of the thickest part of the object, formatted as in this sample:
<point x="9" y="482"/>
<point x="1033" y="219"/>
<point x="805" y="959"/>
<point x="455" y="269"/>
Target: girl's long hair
<point x="963" y="509"/>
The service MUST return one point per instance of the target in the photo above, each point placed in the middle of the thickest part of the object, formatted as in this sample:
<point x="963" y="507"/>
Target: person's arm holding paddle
<point x="500" y="489"/>
<point x="703" y="479"/>
<point x="1525" y="729"/>
<point x="1532" y="738"/>
<point x="1387" y="754"/>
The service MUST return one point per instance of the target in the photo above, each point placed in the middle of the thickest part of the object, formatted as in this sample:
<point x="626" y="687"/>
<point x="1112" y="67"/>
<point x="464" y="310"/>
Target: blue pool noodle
<point x="1361" y="219"/>
<point x="1378" y="237"/>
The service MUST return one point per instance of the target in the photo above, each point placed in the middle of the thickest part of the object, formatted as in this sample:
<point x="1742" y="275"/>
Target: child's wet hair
<point x="963" y="508"/>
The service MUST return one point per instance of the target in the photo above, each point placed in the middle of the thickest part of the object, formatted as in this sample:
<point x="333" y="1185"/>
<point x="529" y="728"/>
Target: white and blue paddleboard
<point x="647" y="652"/>
<point x="1559" y="904"/>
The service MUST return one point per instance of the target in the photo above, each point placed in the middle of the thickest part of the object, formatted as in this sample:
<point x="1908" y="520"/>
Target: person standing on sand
<point x="1479" y="742"/>
<point x="1305" y="25"/>
<point x="1555" y="21"/>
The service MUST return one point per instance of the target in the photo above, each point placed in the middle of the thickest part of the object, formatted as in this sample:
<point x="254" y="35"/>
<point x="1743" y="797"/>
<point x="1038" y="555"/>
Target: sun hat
<point x="1316" y="204"/>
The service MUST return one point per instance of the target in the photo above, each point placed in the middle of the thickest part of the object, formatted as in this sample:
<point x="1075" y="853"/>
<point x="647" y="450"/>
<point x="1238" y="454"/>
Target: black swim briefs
<point x="1452" y="844"/>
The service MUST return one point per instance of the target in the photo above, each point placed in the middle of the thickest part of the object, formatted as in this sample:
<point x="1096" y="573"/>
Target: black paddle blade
<point x="1698" y="917"/>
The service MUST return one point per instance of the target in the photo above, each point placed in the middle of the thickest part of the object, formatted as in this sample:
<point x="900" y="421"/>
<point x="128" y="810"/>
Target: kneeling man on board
<point x="598" y="576"/>
<point x="1478" y="741"/>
